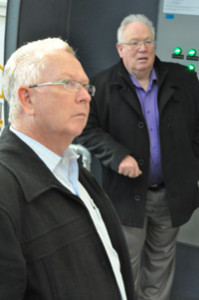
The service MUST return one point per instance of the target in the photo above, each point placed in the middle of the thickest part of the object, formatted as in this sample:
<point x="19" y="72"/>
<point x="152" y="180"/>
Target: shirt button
<point x="141" y="125"/>
<point x="137" y="198"/>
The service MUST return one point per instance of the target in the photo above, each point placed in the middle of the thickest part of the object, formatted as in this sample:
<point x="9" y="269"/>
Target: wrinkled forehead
<point x="61" y="64"/>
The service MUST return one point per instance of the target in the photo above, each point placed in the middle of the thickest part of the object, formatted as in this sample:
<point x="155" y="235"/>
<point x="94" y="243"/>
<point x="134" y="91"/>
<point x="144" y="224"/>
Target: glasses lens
<point x="148" y="43"/>
<point x="138" y="43"/>
<point x="90" y="89"/>
<point x="72" y="85"/>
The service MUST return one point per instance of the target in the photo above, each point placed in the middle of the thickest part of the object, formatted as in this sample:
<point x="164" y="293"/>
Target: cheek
<point x="130" y="60"/>
<point x="48" y="113"/>
<point x="152" y="55"/>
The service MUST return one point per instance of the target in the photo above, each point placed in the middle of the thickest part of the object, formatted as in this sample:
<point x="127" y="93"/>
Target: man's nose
<point x="84" y="94"/>
<point x="142" y="44"/>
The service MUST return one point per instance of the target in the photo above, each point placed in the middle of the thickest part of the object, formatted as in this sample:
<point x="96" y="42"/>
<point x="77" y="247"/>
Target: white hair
<point x="131" y="19"/>
<point x="25" y="67"/>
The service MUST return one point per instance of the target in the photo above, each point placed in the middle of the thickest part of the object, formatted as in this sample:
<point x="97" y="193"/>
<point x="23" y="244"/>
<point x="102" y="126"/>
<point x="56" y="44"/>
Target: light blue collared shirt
<point x="65" y="169"/>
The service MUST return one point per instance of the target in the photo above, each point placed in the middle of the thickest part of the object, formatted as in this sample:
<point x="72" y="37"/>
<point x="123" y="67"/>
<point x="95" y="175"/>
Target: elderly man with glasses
<point x="60" y="237"/>
<point x="144" y="128"/>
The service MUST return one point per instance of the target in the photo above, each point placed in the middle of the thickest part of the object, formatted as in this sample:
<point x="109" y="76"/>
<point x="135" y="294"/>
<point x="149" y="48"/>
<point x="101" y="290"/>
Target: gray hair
<point x="131" y="19"/>
<point x="25" y="67"/>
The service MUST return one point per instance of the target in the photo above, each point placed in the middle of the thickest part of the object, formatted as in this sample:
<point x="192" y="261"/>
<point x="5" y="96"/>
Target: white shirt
<point x="65" y="169"/>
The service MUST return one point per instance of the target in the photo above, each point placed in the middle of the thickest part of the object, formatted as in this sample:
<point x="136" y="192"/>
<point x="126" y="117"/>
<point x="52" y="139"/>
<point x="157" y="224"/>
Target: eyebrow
<point x="71" y="77"/>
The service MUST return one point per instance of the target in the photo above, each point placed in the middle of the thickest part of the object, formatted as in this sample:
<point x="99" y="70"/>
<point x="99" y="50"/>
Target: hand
<point x="129" y="167"/>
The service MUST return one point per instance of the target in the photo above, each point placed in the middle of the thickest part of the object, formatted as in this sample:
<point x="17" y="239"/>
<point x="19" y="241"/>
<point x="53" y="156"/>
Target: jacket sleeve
<point x="12" y="264"/>
<point x="96" y="137"/>
<point x="195" y="95"/>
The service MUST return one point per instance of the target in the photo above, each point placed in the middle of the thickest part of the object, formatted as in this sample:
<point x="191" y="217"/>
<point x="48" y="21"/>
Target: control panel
<point x="190" y="57"/>
<point x="177" y="37"/>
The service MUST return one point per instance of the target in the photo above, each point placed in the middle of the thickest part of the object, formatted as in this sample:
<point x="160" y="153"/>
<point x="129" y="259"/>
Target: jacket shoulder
<point x="178" y="69"/>
<point x="105" y="75"/>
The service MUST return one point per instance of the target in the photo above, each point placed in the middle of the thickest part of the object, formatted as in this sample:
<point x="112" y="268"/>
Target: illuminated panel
<point x="192" y="55"/>
<point x="177" y="53"/>
<point x="191" y="67"/>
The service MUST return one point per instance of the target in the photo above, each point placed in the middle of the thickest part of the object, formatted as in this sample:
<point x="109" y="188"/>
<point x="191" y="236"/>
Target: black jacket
<point x="49" y="247"/>
<point x="117" y="127"/>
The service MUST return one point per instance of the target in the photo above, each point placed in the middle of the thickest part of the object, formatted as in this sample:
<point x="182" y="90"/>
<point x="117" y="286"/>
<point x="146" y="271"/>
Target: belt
<point x="156" y="187"/>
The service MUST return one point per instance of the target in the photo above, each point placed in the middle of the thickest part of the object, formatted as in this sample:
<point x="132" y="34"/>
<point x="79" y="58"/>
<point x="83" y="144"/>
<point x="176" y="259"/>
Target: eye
<point x="67" y="83"/>
<point x="148" y="42"/>
<point x="134" y="43"/>
<point x="74" y="84"/>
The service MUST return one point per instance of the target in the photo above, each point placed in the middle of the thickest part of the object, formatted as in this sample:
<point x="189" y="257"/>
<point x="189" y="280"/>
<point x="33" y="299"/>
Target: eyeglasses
<point x="138" y="43"/>
<point x="69" y="85"/>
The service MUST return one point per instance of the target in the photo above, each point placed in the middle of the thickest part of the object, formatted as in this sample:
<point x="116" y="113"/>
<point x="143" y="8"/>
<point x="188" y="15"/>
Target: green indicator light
<point x="192" y="52"/>
<point x="177" y="51"/>
<point x="191" y="67"/>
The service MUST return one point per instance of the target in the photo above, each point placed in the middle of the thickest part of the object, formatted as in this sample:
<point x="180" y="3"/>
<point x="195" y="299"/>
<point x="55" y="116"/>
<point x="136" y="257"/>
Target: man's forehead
<point x="65" y="66"/>
<point x="136" y="28"/>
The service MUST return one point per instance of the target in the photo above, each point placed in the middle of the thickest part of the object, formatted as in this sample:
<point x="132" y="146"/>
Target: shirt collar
<point x="153" y="77"/>
<point x="50" y="158"/>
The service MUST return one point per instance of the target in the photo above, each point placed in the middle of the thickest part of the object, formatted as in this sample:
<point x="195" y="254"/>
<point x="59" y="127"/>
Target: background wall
<point x="89" y="26"/>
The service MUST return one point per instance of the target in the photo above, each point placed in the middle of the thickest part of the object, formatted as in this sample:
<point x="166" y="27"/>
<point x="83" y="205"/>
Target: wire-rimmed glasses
<point x="136" y="44"/>
<point x="69" y="85"/>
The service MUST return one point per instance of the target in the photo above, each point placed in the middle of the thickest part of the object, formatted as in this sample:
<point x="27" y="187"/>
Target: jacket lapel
<point x="166" y="85"/>
<point x="127" y="91"/>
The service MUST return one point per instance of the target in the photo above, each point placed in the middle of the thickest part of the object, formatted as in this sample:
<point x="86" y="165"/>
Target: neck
<point x="143" y="82"/>
<point x="55" y="143"/>
<point x="142" y="78"/>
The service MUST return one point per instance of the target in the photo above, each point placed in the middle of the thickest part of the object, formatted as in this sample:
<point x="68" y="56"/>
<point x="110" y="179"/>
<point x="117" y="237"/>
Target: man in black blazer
<point x="60" y="237"/>
<point x="144" y="128"/>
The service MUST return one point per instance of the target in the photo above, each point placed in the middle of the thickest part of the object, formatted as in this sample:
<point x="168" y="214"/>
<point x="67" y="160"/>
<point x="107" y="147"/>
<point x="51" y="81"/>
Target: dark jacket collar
<point x="121" y="77"/>
<point x="32" y="174"/>
<point x="160" y="68"/>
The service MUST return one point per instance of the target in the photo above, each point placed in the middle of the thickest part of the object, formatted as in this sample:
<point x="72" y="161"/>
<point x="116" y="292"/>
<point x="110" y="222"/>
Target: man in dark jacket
<point x="144" y="128"/>
<point x="60" y="237"/>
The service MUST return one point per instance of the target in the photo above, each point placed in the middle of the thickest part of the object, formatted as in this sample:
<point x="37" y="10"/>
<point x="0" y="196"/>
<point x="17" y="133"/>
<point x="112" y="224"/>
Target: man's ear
<point x="25" y="98"/>
<point x="119" y="49"/>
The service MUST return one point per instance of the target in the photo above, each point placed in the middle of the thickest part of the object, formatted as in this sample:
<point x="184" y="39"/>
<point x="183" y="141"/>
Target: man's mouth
<point x="142" y="58"/>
